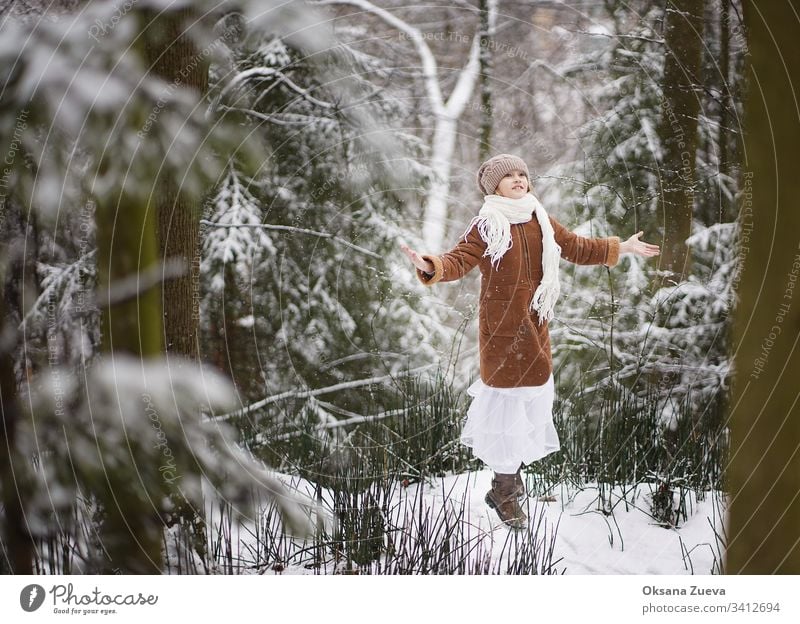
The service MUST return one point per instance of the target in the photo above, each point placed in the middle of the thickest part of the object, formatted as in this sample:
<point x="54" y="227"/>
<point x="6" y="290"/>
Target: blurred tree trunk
<point x="764" y="473"/>
<point x="16" y="539"/>
<point x="20" y="287"/>
<point x="131" y="323"/>
<point x="683" y="38"/>
<point x="173" y="56"/>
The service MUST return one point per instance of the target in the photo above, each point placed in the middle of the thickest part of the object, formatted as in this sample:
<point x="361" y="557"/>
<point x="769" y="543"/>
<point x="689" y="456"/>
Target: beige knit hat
<point x="493" y="170"/>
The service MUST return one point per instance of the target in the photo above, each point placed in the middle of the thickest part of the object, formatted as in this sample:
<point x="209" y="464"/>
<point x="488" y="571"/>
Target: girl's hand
<point x="635" y="246"/>
<point x="419" y="262"/>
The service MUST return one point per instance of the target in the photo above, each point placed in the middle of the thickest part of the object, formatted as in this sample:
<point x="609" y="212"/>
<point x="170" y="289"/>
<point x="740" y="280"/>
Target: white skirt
<point x="507" y="427"/>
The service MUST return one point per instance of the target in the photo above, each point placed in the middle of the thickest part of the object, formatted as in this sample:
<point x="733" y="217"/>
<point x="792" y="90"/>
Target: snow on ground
<point x="587" y="541"/>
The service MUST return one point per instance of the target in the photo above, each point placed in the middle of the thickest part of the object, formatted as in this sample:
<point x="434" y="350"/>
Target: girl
<point x="517" y="246"/>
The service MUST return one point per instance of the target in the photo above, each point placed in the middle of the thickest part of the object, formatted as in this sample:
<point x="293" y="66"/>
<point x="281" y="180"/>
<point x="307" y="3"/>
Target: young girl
<point x="517" y="246"/>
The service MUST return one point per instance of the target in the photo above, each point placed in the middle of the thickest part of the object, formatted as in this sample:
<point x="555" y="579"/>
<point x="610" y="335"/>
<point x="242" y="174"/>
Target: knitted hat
<point x="493" y="170"/>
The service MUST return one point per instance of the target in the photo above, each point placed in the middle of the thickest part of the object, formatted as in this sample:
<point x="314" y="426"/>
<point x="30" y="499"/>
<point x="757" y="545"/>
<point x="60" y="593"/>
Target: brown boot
<point x="503" y="499"/>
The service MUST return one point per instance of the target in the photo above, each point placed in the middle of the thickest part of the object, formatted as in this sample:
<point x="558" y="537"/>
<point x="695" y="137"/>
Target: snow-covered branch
<point x="353" y="419"/>
<point x="293" y="394"/>
<point x="280" y="119"/>
<point x="465" y="85"/>
<point x="268" y="72"/>
<point x="290" y="228"/>
<point x="446" y="113"/>
<point x="616" y="36"/>
<point x="54" y="285"/>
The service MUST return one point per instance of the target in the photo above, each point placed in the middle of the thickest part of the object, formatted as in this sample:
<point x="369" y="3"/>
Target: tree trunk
<point x="683" y="32"/>
<point x="127" y="245"/>
<point x="16" y="539"/>
<point x="131" y="323"/>
<point x="173" y="56"/>
<point x="444" y="140"/>
<point x="485" y="58"/>
<point x="764" y="473"/>
<point x="725" y="92"/>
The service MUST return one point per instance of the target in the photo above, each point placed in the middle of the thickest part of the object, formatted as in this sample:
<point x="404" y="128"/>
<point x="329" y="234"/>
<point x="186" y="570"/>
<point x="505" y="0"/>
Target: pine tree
<point x="296" y="260"/>
<point x="617" y="188"/>
<point x="128" y="433"/>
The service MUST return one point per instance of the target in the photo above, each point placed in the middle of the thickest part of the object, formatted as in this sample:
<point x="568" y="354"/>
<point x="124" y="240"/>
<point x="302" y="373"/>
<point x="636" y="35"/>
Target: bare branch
<point x="268" y="72"/>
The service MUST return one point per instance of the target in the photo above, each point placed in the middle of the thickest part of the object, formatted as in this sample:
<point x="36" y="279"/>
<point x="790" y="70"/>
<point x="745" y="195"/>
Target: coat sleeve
<point x="582" y="250"/>
<point x="457" y="262"/>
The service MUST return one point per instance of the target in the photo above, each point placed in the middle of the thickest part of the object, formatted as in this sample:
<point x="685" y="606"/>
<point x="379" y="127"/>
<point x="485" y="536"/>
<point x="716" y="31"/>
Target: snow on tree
<point x="308" y="275"/>
<point x="242" y="247"/>
<point x="446" y="110"/>
<point x="614" y="188"/>
<point x="89" y="123"/>
<point x="89" y="437"/>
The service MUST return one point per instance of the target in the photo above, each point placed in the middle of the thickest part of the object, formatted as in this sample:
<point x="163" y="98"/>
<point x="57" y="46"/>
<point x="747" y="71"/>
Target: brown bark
<point x="174" y="57"/>
<point x="764" y="472"/>
<point x="725" y="99"/>
<point x="683" y="32"/>
<point x="484" y="86"/>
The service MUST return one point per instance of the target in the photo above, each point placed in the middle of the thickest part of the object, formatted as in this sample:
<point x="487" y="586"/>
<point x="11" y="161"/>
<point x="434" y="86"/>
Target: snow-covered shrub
<point x="312" y="297"/>
<point x="132" y="437"/>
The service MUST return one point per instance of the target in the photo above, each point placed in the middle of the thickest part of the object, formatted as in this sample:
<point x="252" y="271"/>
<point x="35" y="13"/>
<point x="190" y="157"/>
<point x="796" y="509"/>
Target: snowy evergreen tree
<point x="615" y="188"/>
<point x="90" y="130"/>
<point x="298" y="260"/>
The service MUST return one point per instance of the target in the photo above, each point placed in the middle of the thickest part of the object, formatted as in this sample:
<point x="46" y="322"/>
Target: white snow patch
<point x="587" y="541"/>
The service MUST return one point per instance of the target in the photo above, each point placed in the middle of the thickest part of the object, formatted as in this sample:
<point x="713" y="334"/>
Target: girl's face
<point x="514" y="184"/>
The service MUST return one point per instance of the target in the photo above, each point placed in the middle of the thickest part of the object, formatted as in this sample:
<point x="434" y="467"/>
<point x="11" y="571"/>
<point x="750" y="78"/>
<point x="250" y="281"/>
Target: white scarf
<point x="494" y="225"/>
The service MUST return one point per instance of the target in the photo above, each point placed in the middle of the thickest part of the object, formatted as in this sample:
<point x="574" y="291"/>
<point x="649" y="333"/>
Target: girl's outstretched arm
<point x="450" y="266"/>
<point x="582" y="250"/>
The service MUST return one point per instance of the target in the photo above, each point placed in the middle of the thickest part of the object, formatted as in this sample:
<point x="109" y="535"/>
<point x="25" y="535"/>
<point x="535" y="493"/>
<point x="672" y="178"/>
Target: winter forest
<point x="215" y="358"/>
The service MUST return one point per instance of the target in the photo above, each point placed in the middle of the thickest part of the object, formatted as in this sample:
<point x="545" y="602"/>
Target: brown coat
<point x="514" y="348"/>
